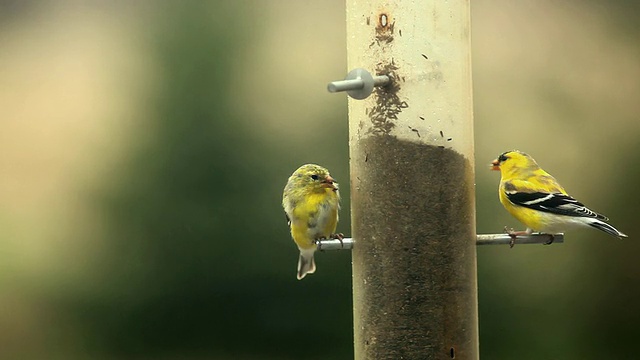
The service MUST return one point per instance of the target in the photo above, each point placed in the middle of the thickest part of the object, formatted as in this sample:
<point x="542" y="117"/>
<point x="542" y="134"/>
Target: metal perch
<point x="481" y="239"/>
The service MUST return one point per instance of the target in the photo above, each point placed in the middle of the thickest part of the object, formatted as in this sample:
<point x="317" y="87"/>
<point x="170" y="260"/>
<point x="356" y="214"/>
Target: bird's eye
<point x="502" y="158"/>
<point x="315" y="177"/>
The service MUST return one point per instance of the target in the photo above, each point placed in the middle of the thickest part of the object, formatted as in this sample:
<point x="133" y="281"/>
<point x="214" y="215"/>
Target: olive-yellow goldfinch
<point x="536" y="199"/>
<point x="311" y="202"/>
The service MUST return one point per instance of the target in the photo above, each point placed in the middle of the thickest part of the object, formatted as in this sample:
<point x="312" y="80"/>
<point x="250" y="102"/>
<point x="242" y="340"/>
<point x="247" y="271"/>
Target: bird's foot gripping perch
<point x="513" y="234"/>
<point x="338" y="236"/>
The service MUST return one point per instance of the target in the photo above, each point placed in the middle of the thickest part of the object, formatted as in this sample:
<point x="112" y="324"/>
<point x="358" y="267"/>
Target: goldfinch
<point x="536" y="199"/>
<point x="311" y="202"/>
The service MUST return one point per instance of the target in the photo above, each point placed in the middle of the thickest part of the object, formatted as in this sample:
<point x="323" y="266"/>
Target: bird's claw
<point x="551" y="238"/>
<point x="512" y="234"/>
<point x="339" y="237"/>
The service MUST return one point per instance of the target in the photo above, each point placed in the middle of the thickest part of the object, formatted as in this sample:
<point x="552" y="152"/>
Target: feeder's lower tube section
<point x="414" y="264"/>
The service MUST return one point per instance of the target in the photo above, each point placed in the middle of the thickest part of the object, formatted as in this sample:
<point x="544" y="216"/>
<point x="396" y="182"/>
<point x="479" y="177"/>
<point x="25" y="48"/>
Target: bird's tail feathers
<point x="306" y="263"/>
<point x="603" y="226"/>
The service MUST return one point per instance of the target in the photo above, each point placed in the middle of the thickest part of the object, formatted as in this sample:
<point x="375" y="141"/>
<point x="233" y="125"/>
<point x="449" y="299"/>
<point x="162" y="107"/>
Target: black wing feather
<point x="556" y="203"/>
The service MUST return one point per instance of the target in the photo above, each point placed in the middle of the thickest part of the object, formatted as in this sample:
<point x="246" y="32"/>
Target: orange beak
<point x="328" y="182"/>
<point x="495" y="165"/>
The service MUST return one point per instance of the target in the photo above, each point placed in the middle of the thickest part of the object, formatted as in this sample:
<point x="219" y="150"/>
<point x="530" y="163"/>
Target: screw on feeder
<point x="359" y="83"/>
<point x="481" y="239"/>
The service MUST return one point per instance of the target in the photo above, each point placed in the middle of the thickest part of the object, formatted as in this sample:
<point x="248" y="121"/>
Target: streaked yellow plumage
<point x="311" y="202"/>
<point x="536" y="199"/>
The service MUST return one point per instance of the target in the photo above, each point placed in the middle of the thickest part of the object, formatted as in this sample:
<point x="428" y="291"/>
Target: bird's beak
<point x="495" y="165"/>
<point x="328" y="182"/>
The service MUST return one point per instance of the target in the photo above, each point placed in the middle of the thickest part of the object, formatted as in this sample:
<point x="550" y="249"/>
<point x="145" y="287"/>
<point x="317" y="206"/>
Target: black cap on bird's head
<point x="495" y="164"/>
<point x="509" y="159"/>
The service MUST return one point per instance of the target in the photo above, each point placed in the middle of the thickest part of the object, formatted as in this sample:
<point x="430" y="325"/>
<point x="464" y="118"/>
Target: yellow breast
<point x="529" y="217"/>
<point x="314" y="217"/>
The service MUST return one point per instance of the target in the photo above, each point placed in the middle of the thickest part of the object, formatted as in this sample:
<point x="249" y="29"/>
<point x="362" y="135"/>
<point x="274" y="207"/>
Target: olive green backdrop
<point x="145" y="147"/>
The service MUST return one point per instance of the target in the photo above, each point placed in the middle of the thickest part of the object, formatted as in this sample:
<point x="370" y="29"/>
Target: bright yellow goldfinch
<point x="311" y="202"/>
<point x="536" y="199"/>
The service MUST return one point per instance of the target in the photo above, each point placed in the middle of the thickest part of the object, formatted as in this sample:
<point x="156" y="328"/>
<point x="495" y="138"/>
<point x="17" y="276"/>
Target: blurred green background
<point x="144" y="147"/>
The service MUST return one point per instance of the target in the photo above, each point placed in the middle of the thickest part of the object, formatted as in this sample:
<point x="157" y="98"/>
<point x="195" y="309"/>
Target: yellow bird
<point x="537" y="200"/>
<point x="311" y="202"/>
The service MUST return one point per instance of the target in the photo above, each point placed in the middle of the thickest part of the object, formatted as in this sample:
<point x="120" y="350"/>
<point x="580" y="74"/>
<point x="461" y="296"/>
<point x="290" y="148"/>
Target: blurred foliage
<point x="181" y="249"/>
<point x="197" y="267"/>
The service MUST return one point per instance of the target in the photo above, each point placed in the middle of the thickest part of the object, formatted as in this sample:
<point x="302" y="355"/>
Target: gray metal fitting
<point x="482" y="239"/>
<point x="359" y="83"/>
